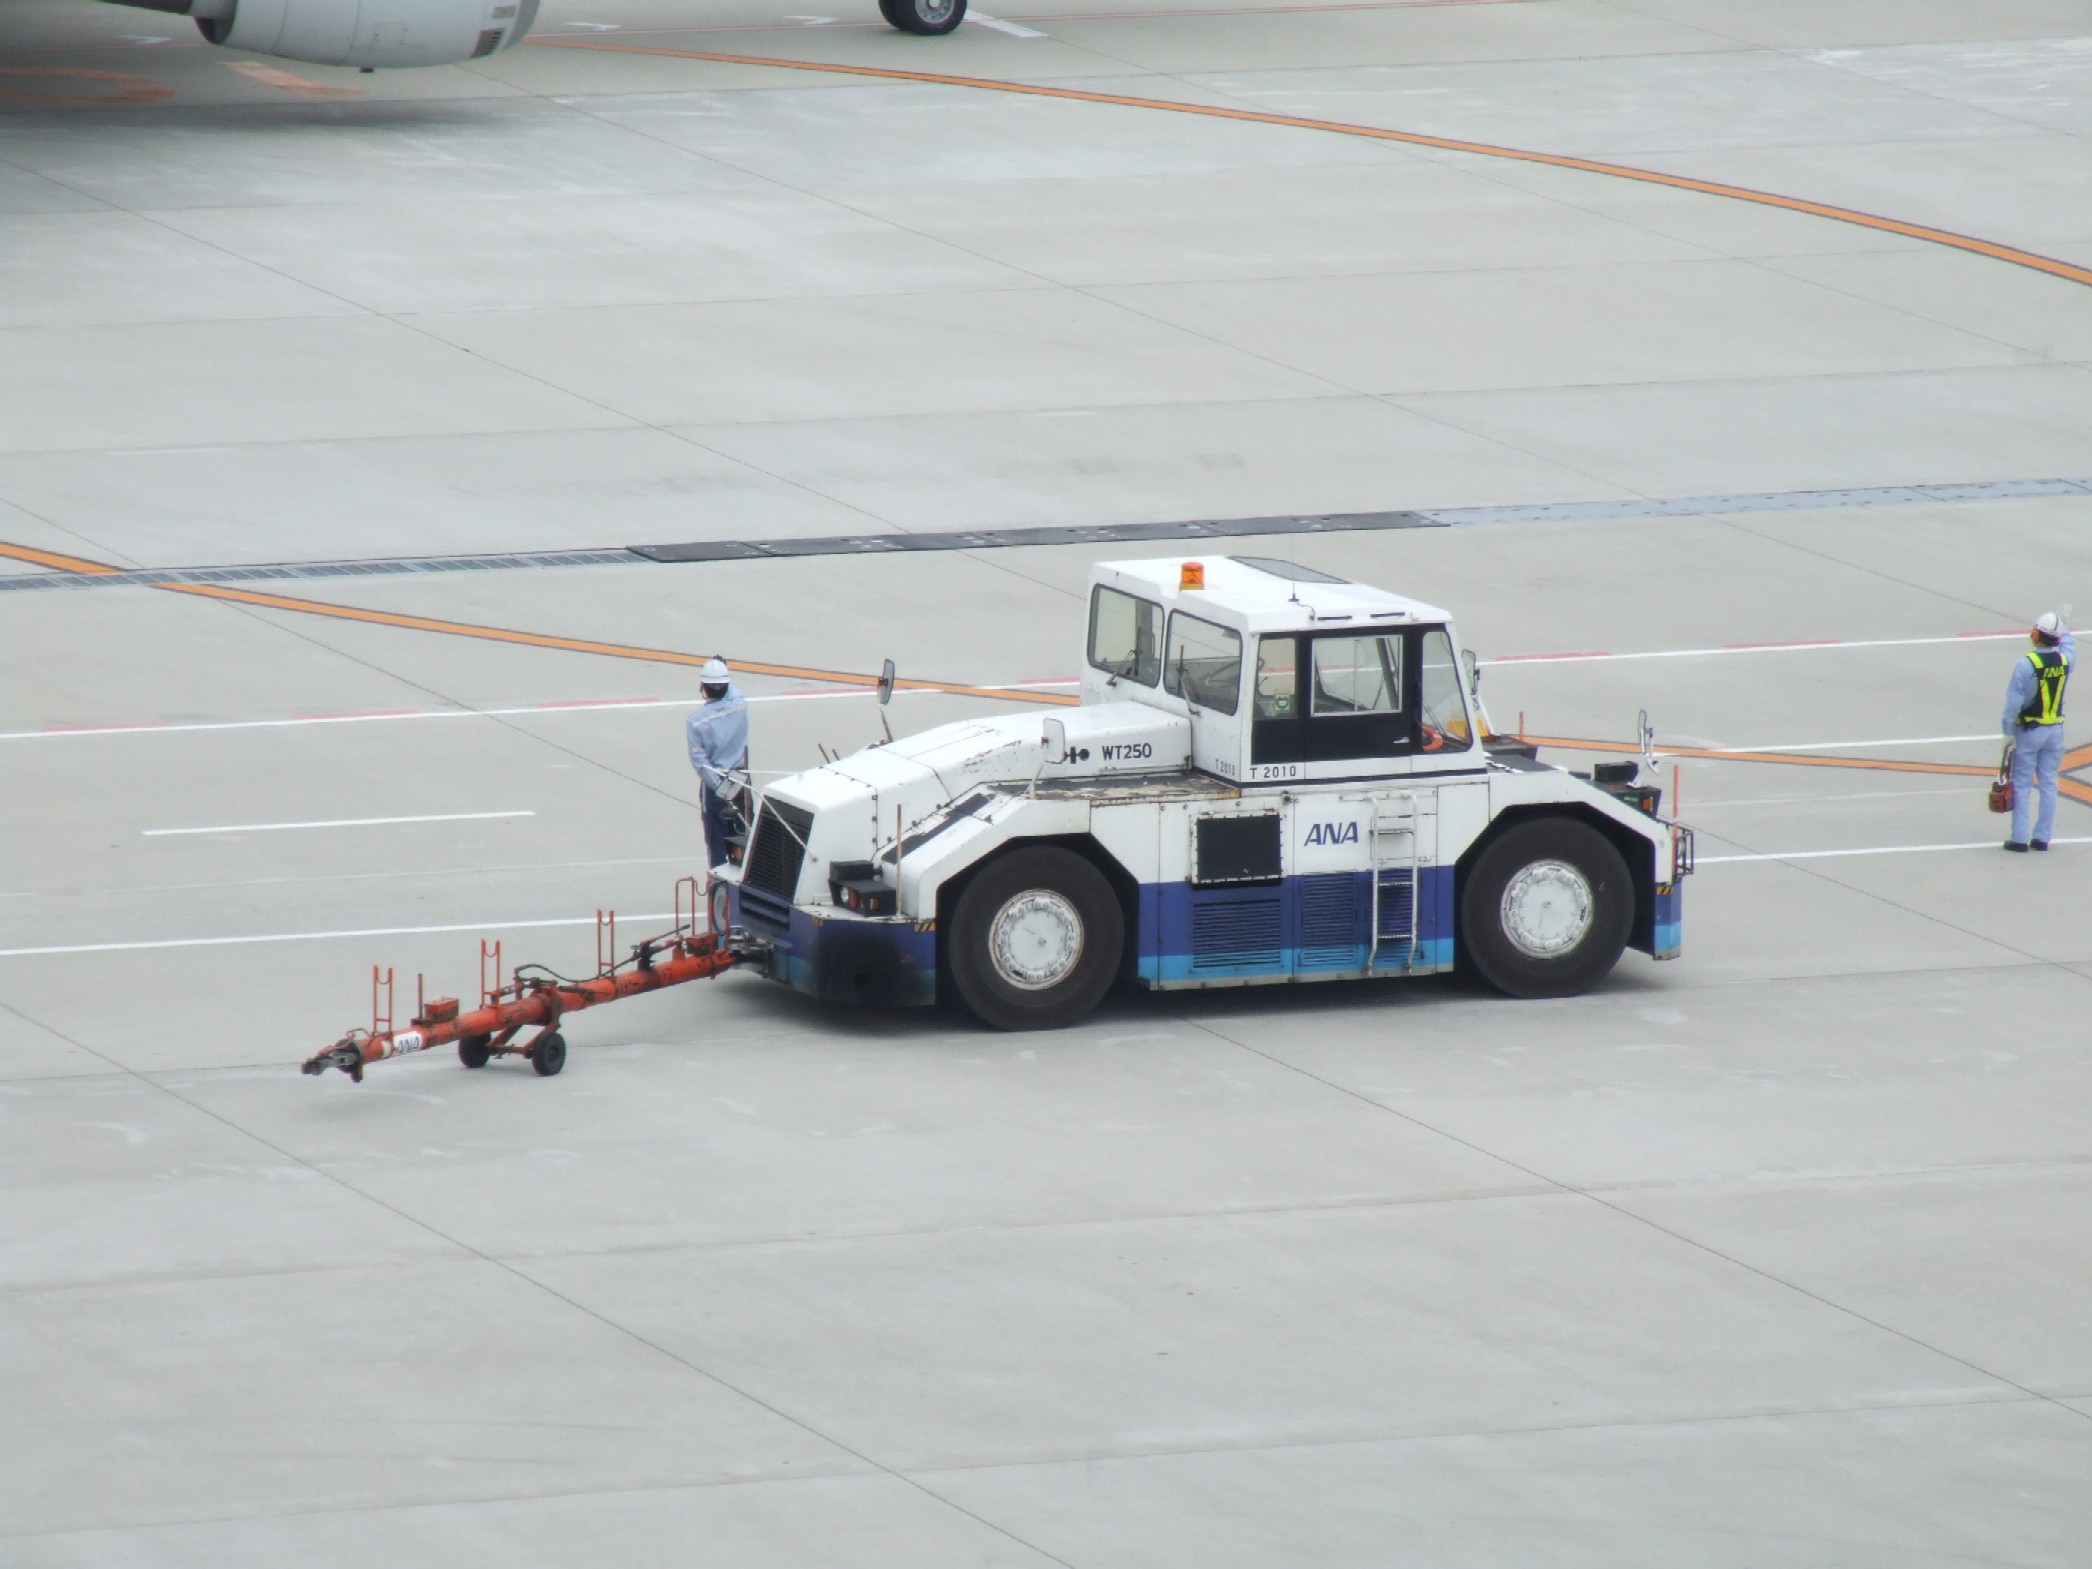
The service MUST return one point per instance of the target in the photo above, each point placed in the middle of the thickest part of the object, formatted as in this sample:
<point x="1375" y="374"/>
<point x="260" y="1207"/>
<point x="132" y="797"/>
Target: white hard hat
<point x="2049" y="624"/>
<point x="715" y="672"/>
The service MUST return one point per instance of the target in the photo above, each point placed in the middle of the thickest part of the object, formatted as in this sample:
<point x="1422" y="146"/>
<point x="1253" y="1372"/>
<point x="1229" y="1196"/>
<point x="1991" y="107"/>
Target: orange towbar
<point x="533" y="996"/>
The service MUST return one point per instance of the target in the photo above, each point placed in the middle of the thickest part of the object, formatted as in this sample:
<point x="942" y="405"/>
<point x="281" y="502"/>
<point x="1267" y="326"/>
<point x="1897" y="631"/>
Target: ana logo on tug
<point x="1332" y="833"/>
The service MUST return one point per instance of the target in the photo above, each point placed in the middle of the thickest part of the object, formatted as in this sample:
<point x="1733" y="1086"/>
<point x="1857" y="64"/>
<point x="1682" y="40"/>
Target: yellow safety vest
<point x="2051" y="671"/>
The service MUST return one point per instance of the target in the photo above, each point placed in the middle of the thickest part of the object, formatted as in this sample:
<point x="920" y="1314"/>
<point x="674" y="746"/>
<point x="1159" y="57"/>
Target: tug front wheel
<point x="928" y="18"/>
<point x="1547" y="909"/>
<point x="1036" y="940"/>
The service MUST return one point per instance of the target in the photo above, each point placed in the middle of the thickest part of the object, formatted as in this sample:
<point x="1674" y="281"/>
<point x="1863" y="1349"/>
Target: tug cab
<point x="1285" y="672"/>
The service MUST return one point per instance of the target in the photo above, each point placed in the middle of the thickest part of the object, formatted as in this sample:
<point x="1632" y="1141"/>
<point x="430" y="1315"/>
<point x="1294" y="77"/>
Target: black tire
<point x="1565" y="927"/>
<point x="925" y="18"/>
<point x="991" y="939"/>
<point x="474" y="1050"/>
<point x="548" y="1053"/>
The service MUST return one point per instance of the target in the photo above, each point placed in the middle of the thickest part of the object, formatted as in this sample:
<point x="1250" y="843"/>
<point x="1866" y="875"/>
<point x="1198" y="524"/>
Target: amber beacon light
<point x="1191" y="575"/>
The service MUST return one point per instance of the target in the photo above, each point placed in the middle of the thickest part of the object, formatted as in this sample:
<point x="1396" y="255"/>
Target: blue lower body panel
<point x="1320" y="927"/>
<point x="1667" y="937"/>
<point x="843" y="958"/>
<point x="1299" y="928"/>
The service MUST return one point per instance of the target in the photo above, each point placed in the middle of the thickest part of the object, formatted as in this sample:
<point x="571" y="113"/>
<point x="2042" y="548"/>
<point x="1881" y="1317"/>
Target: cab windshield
<point x="1203" y="663"/>
<point x="1444" y="704"/>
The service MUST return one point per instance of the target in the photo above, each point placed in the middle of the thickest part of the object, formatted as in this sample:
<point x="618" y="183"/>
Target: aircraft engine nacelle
<point x="366" y="33"/>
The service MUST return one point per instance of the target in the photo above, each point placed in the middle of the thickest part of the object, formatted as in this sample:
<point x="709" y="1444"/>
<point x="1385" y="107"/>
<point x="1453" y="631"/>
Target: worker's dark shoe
<point x="2038" y="844"/>
<point x="2015" y="846"/>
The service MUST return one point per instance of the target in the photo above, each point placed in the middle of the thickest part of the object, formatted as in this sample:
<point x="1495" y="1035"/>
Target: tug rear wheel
<point x="1036" y="940"/>
<point x="548" y="1053"/>
<point x="928" y="18"/>
<point x="1547" y="909"/>
<point x="473" y="1050"/>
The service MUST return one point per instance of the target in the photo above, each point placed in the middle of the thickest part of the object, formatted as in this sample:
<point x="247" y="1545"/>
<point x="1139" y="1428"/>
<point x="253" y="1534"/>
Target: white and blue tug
<point x="1274" y="775"/>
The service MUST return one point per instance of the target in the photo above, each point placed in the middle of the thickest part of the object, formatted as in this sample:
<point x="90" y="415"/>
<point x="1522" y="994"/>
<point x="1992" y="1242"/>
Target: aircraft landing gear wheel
<point x="548" y="1053"/>
<point x="1547" y="909"/>
<point x="473" y="1050"/>
<point x="1036" y="940"/>
<point x="927" y="18"/>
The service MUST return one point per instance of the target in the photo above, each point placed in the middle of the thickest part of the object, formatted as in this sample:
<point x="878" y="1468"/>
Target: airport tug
<point x="1273" y="775"/>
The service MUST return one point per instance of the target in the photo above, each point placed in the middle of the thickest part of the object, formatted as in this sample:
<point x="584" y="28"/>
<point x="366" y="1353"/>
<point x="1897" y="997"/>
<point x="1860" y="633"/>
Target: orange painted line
<point x="1242" y="10"/>
<point x="124" y="88"/>
<point x="573" y="645"/>
<point x="1886" y="765"/>
<point x="2075" y="789"/>
<point x="1180" y="14"/>
<point x="289" y="81"/>
<point x="1912" y="231"/>
<point x="55" y="561"/>
<point x="582" y="645"/>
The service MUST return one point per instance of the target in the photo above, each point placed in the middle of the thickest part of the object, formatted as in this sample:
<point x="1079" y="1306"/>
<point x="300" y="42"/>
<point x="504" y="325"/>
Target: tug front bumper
<point x="840" y="957"/>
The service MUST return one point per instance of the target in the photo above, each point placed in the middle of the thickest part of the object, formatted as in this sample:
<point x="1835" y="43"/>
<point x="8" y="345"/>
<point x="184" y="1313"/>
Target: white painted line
<point x="268" y="937"/>
<point x="1840" y="746"/>
<point x="1816" y="646"/>
<point x="1886" y="849"/>
<point x="518" y="926"/>
<point x="151" y="727"/>
<point x="333" y="822"/>
<point x="1001" y="26"/>
<point x="584" y="705"/>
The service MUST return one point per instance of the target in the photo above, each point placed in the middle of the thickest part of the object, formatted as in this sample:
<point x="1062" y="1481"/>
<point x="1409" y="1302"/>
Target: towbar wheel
<point x="548" y="1053"/>
<point x="1036" y="940"/>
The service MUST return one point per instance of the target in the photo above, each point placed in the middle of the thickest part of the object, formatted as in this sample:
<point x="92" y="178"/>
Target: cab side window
<point x="1357" y="675"/>
<point x="1278" y="678"/>
<point x="1202" y="663"/>
<point x="1125" y="636"/>
<point x="1361" y="698"/>
<point x="1277" y="704"/>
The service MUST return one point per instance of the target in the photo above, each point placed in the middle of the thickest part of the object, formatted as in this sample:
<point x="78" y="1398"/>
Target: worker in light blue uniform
<point x="718" y="737"/>
<point x="2033" y="724"/>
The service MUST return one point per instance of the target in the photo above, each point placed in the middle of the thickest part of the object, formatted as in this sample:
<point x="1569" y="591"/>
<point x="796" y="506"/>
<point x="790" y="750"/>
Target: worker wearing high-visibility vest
<point x="2033" y="725"/>
<point x="717" y="735"/>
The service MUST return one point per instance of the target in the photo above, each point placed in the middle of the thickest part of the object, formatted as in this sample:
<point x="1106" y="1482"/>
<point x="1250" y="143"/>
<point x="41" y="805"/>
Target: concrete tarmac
<point x="1775" y="1254"/>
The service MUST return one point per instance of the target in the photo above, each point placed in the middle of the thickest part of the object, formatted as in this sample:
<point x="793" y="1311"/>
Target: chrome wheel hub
<point x="1547" y="909"/>
<point x="1035" y="940"/>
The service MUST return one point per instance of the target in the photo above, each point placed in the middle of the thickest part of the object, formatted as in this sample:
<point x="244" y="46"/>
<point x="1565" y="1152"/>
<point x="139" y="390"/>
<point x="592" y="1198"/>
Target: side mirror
<point x="1473" y="669"/>
<point x="885" y="697"/>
